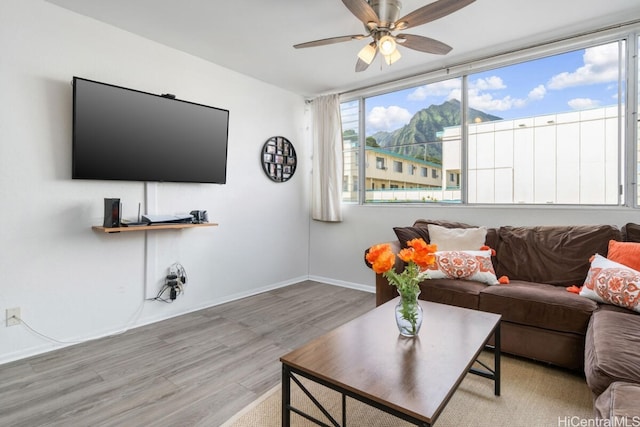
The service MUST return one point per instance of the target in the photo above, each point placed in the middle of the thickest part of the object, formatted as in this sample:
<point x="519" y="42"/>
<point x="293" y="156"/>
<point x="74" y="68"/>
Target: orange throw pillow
<point x="625" y="253"/>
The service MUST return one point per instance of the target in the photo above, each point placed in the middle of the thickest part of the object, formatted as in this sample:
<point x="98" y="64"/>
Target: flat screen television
<point x="126" y="134"/>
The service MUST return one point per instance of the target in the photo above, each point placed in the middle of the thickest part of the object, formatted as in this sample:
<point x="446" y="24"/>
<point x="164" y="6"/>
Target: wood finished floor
<point x="198" y="369"/>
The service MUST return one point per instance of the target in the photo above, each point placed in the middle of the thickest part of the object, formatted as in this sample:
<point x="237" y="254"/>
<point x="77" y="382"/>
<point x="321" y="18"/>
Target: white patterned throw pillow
<point x="464" y="265"/>
<point x="612" y="283"/>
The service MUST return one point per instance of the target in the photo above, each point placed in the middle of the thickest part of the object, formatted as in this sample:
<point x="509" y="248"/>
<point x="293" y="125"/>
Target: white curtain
<point x="327" y="159"/>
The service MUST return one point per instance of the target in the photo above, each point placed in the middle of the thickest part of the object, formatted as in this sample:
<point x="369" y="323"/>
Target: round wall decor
<point x="278" y="158"/>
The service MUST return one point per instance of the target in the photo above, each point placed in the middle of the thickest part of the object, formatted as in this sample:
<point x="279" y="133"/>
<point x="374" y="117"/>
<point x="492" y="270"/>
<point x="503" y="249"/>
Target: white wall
<point x="72" y="283"/>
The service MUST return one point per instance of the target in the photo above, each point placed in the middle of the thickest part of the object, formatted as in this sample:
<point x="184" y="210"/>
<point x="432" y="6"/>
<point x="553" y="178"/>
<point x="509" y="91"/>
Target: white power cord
<point x="128" y="326"/>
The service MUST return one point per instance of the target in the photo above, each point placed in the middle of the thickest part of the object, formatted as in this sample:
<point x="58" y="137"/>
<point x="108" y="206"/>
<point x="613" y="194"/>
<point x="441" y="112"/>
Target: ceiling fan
<point x="380" y="18"/>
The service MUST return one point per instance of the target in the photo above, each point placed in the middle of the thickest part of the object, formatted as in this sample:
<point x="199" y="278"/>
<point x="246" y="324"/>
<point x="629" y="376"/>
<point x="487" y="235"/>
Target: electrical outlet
<point x="13" y="316"/>
<point x="173" y="270"/>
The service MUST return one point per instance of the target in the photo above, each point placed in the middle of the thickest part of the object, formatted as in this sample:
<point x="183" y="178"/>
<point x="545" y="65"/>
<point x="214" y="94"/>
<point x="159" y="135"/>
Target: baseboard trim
<point x="343" y="284"/>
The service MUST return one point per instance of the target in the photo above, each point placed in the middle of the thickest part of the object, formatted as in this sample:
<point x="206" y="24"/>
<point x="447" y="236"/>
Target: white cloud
<point x="481" y="93"/>
<point x="538" y="92"/>
<point x="583" y="103"/>
<point x="482" y="99"/>
<point x="387" y="119"/>
<point x="600" y="66"/>
<point x="444" y="88"/>
<point x="490" y="83"/>
<point x="486" y="102"/>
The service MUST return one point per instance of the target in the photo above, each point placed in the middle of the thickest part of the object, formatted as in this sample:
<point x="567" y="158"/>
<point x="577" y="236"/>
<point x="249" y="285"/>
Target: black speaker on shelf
<point x="111" y="213"/>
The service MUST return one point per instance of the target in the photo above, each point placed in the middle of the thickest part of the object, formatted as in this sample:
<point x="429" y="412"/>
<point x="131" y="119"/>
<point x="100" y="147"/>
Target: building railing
<point x="412" y="195"/>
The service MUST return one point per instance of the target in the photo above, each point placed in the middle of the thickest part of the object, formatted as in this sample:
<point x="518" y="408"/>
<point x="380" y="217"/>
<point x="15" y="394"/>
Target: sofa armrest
<point x="384" y="291"/>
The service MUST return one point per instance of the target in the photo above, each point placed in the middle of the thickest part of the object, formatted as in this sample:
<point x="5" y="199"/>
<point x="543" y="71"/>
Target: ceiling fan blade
<point x="431" y="12"/>
<point x="330" y="40"/>
<point x="362" y="10"/>
<point x="423" y="44"/>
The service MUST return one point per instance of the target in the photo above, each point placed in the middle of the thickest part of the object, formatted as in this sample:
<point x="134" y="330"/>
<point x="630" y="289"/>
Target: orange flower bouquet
<point x="418" y="255"/>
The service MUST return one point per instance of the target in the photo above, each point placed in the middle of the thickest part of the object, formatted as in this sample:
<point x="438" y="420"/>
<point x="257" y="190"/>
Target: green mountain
<point x="419" y="138"/>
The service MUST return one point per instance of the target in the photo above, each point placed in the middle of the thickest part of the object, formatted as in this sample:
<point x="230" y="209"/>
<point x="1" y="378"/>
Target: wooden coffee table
<point x="411" y="378"/>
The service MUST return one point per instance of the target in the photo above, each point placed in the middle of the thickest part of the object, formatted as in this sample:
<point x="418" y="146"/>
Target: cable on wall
<point x="173" y="285"/>
<point x="134" y="319"/>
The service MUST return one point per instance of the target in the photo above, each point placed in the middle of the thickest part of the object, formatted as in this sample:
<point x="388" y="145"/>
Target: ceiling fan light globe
<point x="387" y="45"/>
<point x="393" y="57"/>
<point x="367" y="53"/>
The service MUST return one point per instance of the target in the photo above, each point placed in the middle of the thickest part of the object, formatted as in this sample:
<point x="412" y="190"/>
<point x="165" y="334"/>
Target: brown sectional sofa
<point x="541" y="320"/>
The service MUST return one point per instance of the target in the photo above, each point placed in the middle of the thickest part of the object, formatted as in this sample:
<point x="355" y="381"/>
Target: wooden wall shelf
<point x="150" y="227"/>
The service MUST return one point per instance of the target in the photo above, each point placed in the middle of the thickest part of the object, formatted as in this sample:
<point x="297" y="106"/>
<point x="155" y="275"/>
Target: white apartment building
<point x="564" y="158"/>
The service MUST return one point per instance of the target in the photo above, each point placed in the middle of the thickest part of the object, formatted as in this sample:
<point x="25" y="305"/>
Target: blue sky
<point x="577" y="80"/>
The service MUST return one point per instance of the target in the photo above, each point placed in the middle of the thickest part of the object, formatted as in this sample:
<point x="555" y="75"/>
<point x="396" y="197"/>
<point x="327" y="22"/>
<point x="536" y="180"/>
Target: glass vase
<point x="409" y="314"/>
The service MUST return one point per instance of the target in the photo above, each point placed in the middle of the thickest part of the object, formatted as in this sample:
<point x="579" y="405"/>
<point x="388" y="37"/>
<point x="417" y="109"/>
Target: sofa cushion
<point x="550" y="346"/>
<point x="609" y="307"/>
<point x="557" y="255"/>
<point x="463" y="265"/>
<point x="619" y="403"/>
<point x="612" y="283"/>
<point x="539" y="305"/>
<point x="612" y="349"/>
<point x="457" y="239"/>
<point x="461" y="293"/>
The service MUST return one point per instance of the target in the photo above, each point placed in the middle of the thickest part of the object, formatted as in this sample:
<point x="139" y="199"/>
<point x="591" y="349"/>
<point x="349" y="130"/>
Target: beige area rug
<point x="532" y="395"/>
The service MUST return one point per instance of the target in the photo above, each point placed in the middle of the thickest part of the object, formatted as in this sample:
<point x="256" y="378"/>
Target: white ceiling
<point x="255" y="37"/>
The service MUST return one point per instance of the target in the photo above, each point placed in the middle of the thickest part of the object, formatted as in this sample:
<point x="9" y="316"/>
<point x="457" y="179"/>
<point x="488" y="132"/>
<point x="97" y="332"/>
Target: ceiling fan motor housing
<point x="387" y="10"/>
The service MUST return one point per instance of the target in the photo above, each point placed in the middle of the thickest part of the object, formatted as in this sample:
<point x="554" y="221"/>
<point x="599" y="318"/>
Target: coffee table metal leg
<point x="488" y="372"/>
<point x="286" y="396"/>
<point x="289" y="374"/>
<point x="496" y="355"/>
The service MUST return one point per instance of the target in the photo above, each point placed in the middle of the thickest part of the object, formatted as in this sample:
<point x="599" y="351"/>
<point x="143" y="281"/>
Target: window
<point x="553" y="139"/>
<point x="380" y="163"/>
<point x="541" y="131"/>
<point x="405" y="127"/>
<point x="349" y="112"/>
